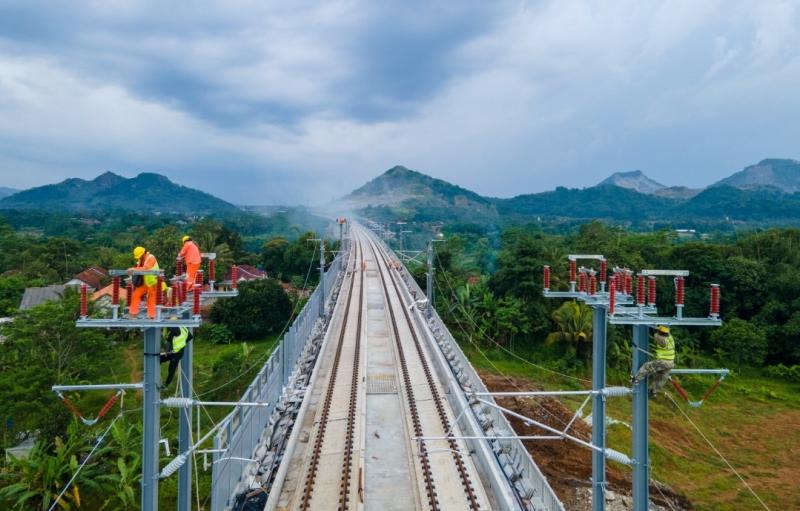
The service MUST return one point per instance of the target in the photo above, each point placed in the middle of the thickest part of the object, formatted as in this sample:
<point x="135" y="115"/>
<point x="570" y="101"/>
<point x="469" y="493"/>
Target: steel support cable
<point x="288" y="323"/>
<point x="482" y="334"/>
<point x="713" y="447"/>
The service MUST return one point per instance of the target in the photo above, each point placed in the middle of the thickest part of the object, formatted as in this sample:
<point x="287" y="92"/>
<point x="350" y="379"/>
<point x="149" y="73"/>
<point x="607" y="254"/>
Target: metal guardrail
<point x="241" y="430"/>
<point x="512" y="456"/>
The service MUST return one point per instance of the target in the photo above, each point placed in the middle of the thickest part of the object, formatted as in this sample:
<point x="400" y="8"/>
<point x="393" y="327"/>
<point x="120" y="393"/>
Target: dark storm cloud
<point x="300" y="101"/>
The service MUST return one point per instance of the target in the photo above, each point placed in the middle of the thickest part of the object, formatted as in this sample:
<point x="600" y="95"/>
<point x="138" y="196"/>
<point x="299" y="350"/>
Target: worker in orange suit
<point x="144" y="284"/>
<point x="190" y="253"/>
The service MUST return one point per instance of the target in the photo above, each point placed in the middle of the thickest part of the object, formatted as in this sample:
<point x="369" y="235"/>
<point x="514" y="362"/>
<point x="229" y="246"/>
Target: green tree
<point x="262" y="307"/>
<point x="44" y="347"/>
<point x="740" y="341"/>
<point x="574" y="322"/>
<point x="272" y="255"/>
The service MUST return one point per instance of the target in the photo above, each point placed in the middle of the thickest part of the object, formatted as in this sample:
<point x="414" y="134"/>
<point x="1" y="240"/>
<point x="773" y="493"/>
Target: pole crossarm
<point x="101" y="386"/>
<point x="664" y="273"/>
<point x="662" y="320"/>
<point x="586" y="257"/>
<point x="137" y="323"/>
<point x="723" y="372"/>
<point x="122" y="273"/>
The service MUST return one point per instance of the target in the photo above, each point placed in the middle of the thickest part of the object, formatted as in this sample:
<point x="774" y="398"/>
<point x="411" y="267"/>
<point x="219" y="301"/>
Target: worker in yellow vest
<point x="176" y="341"/>
<point x="144" y="284"/>
<point x="658" y="369"/>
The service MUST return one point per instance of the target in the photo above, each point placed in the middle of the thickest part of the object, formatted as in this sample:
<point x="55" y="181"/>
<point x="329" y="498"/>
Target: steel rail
<point x="467" y="485"/>
<point x="305" y="501"/>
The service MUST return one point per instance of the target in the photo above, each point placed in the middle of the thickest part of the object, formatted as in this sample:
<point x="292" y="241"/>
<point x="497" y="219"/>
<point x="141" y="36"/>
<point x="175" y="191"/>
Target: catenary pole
<point x="151" y="418"/>
<point x="641" y="459"/>
<point x="599" y="406"/>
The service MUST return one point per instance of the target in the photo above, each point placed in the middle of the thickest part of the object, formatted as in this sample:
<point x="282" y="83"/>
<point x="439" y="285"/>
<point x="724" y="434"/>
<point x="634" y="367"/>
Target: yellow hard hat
<point x="185" y="239"/>
<point x="664" y="329"/>
<point x="138" y="252"/>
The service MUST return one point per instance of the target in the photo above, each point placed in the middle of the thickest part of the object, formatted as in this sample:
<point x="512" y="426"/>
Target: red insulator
<point x="603" y="270"/>
<point x="176" y="294"/>
<point x="651" y="291"/>
<point x="84" y="300"/>
<point x="640" y="291"/>
<point x="181" y="293"/>
<point x="179" y="267"/>
<point x="115" y="290"/>
<point x="212" y="270"/>
<point x="197" y="291"/>
<point x="714" y="300"/>
<point x="679" y="283"/>
<point x="619" y="277"/>
<point x="234" y="276"/>
<point x="198" y="277"/>
<point x="628" y="282"/>
<point x="582" y="282"/>
<point x="159" y="292"/>
<point x="547" y="278"/>
<point x="592" y="284"/>
<point x="612" y="297"/>
<point x="573" y="269"/>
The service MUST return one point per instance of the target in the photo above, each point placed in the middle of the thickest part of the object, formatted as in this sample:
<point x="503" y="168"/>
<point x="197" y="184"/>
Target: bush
<point x="791" y="373"/>
<point x="262" y="307"/>
<point x="219" y="334"/>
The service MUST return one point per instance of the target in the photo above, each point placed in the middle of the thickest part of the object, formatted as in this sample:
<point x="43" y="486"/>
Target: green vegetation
<point x="42" y="346"/>
<point x="760" y="284"/>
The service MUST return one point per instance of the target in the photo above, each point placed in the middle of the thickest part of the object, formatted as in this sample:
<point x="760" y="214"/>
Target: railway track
<point x="471" y="497"/>
<point x="435" y="475"/>
<point x="324" y="421"/>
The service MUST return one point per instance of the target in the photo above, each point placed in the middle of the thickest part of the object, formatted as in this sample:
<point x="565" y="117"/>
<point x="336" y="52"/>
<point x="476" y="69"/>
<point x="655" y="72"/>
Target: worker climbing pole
<point x="642" y="317"/>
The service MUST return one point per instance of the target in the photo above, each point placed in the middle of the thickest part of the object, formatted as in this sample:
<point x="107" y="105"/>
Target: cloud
<point x="300" y="101"/>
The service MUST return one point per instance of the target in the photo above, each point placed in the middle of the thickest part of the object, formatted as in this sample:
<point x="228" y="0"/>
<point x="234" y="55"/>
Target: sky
<point x="298" y="102"/>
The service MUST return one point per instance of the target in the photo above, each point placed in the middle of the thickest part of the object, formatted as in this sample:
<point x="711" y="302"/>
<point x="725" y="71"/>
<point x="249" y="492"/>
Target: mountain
<point x="5" y="191"/>
<point x="413" y="196"/>
<point x="634" y="180"/>
<point x="781" y="174"/>
<point x="146" y="192"/>
<point x="405" y="193"/>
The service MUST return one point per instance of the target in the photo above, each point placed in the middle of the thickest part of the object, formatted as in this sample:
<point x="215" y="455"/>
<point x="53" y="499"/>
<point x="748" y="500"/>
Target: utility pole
<point x="640" y="440"/>
<point x="151" y="417"/>
<point x="642" y="317"/>
<point x="178" y="313"/>
<point x="429" y="281"/>
<point x="599" y="314"/>
<point x="583" y="287"/>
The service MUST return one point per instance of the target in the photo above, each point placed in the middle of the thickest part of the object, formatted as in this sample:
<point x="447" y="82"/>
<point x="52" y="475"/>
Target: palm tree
<point x="574" y="322"/>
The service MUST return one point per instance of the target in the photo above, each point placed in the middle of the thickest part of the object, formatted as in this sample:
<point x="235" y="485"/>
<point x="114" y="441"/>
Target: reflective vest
<point x="150" y="263"/>
<point x="179" y="341"/>
<point x="667" y="352"/>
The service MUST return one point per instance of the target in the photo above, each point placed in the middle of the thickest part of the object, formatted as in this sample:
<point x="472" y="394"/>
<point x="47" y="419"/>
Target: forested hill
<point x="405" y="194"/>
<point x="146" y="192"/>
